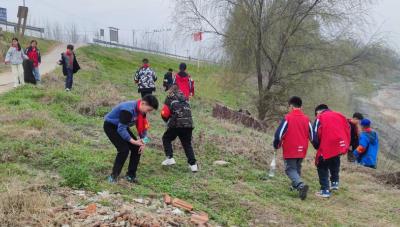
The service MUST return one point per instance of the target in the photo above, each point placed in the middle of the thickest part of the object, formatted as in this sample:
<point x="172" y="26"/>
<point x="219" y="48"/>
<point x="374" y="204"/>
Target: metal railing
<point x="28" y="27"/>
<point x="102" y="42"/>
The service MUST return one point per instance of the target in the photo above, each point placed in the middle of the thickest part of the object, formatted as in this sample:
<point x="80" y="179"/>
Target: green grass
<point x="45" y="129"/>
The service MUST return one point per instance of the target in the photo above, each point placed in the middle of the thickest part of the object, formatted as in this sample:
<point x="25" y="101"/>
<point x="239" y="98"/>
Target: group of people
<point x="15" y="56"/>
<point x="26" y="62"/>
<point x="176" y="112"/>
<point x="332" y="135"/>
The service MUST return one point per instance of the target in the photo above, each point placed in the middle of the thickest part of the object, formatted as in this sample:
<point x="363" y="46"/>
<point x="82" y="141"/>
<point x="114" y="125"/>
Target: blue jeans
<point x="70" y="79"/>
<point x="36" y="73"/>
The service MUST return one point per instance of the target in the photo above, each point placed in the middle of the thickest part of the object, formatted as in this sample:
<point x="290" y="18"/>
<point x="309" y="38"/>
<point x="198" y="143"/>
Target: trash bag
<point x="28" y="72"/>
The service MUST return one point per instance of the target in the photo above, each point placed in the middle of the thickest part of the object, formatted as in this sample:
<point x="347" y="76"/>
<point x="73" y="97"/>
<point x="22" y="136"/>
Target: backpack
<point x="181" y="114"/>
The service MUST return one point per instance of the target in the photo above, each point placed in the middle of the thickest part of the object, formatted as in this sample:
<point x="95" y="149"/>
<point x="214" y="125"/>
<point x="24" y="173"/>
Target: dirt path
<point x="48" y="64"/>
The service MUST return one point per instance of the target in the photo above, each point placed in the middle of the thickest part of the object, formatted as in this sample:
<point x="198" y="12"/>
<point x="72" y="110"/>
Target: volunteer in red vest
<point x="331" y="139"/>
<point x="184" y="81"/>
<point x="293" y="135"/>
<point x="116" y="126"/>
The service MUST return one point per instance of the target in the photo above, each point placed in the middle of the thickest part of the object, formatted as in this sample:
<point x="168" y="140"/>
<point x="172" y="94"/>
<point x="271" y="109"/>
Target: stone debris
<point x="221" y="163"/>
<point x="104" y="209"/>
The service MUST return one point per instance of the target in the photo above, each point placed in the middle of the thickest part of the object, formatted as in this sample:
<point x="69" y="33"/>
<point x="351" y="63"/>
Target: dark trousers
<point x="325" y="167"/>
<point x="123" y="148"/>
<point x="185" y="136"/>
<point x="350" y="156"/>
<point x="144" y="93"/>
<point x="69" y="79"/>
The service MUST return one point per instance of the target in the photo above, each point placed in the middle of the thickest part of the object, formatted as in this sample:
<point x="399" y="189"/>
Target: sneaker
<point x="303" y="190"/>
<point x="112" y="180"/>
<point x="132" y="180"/>
<point x="335" y="186"/>
<point x="194" y="168"/>
<point x="67" y="89"/>
<point x="168" y="162"/>
<point x="323" y="194"/>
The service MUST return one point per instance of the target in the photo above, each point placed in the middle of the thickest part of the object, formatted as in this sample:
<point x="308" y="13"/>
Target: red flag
<point x="198" y="36"/>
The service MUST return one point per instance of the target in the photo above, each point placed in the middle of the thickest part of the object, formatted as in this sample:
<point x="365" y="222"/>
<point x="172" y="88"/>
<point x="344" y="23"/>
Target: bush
<point x="76" y="176"/>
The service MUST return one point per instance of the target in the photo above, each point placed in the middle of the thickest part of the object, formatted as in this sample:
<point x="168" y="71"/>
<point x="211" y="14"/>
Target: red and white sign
<point x="198" y="36"/>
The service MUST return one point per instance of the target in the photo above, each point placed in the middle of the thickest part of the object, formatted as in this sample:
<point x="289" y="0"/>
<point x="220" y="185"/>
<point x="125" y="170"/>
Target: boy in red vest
<point x="184" y="81"/>
<point x="293" y="135"/>
<point x="331" y="139"/>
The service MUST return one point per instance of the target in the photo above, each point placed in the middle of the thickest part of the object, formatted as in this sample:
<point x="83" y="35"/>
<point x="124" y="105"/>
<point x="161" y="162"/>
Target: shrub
<point x="77" y="176"/>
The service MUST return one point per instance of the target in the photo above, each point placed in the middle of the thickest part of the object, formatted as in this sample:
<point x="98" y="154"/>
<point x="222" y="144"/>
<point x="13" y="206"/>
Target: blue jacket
<point x="369" y="141"/>
<point x="125" y="110"/>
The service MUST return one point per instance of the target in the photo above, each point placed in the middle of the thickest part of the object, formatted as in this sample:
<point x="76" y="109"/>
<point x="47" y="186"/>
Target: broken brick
<point x="199" y="218"/>
<point x="91" y="209"/>
<point x="182" y="204"/>
<point x="167" y="199"/>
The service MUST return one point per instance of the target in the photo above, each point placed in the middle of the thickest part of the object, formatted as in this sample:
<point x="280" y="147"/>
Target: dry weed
<point x="22" y="207"/>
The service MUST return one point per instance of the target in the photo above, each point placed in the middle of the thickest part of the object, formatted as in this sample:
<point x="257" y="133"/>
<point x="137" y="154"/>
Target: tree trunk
<point x="258" y="56"/>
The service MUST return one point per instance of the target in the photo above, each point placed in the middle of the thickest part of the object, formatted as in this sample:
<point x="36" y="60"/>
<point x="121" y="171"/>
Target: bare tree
<point x="282" y="41"/>
<point x="56" y="32"/>
<point x="72" y="33"/>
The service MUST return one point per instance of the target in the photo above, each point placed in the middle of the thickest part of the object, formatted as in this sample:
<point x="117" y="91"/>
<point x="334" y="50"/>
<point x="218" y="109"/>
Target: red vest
<point x="296" y="139"/>
<point x="185" y="84"/>
<point x="333" y="134"/>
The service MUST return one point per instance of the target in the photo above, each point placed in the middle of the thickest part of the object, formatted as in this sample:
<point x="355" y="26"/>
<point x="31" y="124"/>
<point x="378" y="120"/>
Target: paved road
<point x="49" y="63"/>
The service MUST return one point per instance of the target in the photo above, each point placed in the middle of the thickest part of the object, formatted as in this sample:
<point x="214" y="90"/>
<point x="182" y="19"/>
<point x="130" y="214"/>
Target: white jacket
<point x="15" y="57"/>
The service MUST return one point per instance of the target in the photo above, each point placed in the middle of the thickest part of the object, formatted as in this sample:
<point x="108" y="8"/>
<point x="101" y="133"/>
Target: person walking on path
<point x="331" y="140"/>
<point x="15" y="56"/>
<point x="168" y="80"/>
<point x="116" y="126"/>
<point x="70" y="66"/>
<point x="184" y="81"/>
<point x="293" y="135"/>
<point x="145" y="78"/>
<point x="33" y="54"/>
<point x="366" y="153"/>
<point x="178" y="115"/>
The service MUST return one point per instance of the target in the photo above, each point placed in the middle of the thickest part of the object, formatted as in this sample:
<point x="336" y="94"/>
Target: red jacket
<point x="294" y="134"/>
<point x="185" y="84"/>
<point x="332" y="135"/>
<point x="34" y="55"/>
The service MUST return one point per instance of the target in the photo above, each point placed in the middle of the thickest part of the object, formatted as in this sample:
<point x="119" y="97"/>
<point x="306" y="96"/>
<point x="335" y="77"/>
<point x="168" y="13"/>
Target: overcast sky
<point x="144" y="15"/>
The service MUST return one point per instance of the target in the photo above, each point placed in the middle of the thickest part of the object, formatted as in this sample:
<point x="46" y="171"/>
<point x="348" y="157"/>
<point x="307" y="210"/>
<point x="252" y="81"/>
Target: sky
<point x="147" y="15"/>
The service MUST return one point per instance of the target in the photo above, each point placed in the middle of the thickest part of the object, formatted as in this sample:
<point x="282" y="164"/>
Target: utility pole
<point x="133" y="37"/>
<point x="24" y="2"/>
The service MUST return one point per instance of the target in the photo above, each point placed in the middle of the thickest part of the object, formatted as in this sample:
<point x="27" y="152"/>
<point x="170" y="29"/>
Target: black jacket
<point x="76" y="66"/>
<point x="168" y="80"/>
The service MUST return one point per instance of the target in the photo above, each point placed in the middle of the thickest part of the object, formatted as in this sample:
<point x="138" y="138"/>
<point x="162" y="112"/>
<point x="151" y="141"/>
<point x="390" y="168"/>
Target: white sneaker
<point x="168" y="162"/>
<point x="194" y="168"/>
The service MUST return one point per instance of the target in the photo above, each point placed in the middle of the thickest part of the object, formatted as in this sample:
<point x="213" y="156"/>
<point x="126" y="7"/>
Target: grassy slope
<point x="46" y="130"/>
<point x="44" y="45"/>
